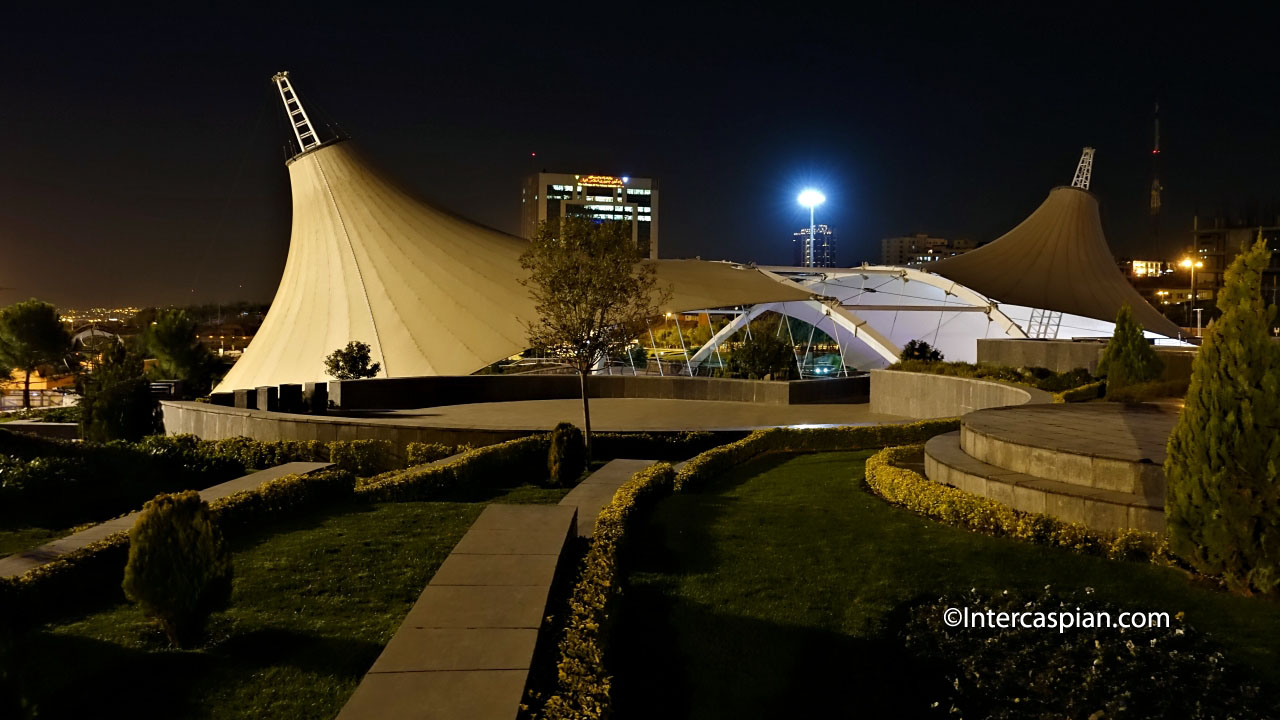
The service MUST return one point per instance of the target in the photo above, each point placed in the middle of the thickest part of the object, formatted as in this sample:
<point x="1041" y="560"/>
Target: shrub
<point x="501" y="465"/>
<point x="1058" y="382"/>
<point x="1222" y="505"/>
<point x="64" y="583"/>
<point x="1128" y="357"/>
<point x="657" y="446"/>
<point x="567" y="458"/>
<point x="419" y="453"/>
<point x="920" y="350"/>
<point x="116" y="402"/>
<point x="1084" y="393"/>
<point x="351" y="362"/>
<point x="1084" y="672"/>
<point x="1147" y="391"/>
<point x="1037" y="377"/>
<point x="365" y="458"/>
<point x="179" y="570"/>
<point x="761" y="355"/>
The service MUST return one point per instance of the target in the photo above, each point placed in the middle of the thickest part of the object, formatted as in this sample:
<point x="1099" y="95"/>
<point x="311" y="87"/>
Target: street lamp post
<point x="1191" y="265"/>
<point x="811" y="198"/>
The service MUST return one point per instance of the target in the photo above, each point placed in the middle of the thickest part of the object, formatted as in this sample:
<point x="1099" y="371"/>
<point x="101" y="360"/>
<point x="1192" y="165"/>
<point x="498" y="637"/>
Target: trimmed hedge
<point x="657" y="446"/>
<point x="60" y="585"/>
<point x="490" y="466"/>
<point x="583" y="682"/>
<point x="719" y="459"/>
<point x="1147" y="391"/>
<point x="908" y="489"/>
<point x="582" y="689"/>
<point x="419" y="453"/>
<point x="1084" y="393"/>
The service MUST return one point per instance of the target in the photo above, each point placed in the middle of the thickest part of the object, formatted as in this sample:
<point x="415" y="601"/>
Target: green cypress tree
<point x="1128" y="358"/>
<point x="1223" y="501"/>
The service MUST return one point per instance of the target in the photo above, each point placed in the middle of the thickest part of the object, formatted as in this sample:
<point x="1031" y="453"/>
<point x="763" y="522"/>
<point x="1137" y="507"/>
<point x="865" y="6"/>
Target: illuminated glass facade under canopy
<point x="600" y="197"/>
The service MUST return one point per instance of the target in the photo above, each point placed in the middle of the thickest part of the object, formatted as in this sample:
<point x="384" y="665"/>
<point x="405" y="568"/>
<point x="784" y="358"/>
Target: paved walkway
<point x="1098" y="429"/>
<point x="19" y="563"/>
<point x="622" y="414"/>
<point x="466" y="646"/>
<point x="593" y="493"/>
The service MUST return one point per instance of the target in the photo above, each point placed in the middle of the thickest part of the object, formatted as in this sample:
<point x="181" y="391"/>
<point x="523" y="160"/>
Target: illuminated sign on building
<point x="601" y="181"/>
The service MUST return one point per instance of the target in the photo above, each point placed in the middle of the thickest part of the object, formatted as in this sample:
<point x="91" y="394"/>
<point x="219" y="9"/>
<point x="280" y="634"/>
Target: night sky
<point x="141" y="155"/>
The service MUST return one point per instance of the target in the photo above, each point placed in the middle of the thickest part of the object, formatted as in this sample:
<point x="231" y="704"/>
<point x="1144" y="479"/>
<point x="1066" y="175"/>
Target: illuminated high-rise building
<point x="601" y="197"/>
<point x="824" y="246"/>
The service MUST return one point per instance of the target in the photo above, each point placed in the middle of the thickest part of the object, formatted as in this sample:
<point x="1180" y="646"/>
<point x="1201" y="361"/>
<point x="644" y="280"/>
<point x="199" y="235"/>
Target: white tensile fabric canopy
<point x="1057" y="259"/>
<point x="431" y="293"/>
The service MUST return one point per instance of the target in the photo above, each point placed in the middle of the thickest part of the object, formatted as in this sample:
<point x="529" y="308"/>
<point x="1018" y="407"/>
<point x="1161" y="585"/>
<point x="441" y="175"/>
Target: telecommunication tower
<point x="1156" y="188"/>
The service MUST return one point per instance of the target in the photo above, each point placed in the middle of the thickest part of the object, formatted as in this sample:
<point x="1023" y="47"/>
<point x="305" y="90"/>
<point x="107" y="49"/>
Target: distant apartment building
<point x="1218" y="243"/>
<point x="824" y="247"/>
<point x="920" y="249"/>
<point x="601" y="197"/>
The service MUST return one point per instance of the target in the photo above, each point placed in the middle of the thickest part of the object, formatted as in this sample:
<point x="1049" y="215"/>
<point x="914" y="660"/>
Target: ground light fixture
<point x="811" y="198"/>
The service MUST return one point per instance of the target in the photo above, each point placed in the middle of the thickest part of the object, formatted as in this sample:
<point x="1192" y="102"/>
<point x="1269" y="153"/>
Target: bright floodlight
<point x="809" y="198"/>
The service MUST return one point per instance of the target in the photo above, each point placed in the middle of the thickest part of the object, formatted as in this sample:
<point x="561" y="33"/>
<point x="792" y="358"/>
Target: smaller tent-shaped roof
<point x="1057" y="259"/>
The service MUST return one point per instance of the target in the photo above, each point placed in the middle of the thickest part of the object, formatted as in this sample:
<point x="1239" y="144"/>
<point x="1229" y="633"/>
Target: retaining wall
<point x="214" y="422"/>
<point x="1064" y="355"/>
<point x="923" y="396"/>
<point x="420" y="392"/>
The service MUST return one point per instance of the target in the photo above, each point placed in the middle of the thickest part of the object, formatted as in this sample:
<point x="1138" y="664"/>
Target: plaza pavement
<point x="636" y="414"/>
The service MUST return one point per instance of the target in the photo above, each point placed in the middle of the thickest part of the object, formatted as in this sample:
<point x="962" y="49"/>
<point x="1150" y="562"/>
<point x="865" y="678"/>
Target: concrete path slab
<point x="466" y="646"/>
<point x="470" y="694"/>
<point x="597" y="490"/>
<point x="20" y="563"/>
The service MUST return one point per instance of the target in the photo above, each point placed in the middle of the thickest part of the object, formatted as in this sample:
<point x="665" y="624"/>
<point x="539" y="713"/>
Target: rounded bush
<point x="179" y="569"/>
<point x="568" y="456"/>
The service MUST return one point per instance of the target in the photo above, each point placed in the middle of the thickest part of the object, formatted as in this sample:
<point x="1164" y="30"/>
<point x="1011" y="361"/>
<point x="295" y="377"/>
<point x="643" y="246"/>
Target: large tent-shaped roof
<point x="432" y="293"/>
<point x="1057" y="259"/>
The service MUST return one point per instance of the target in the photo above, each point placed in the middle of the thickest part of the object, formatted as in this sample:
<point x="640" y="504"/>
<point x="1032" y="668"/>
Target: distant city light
<point x="810" y="198"/>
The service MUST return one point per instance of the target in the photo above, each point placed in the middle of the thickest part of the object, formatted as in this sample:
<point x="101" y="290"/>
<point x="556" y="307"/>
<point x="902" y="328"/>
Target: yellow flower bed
<point x="953" y="506"/>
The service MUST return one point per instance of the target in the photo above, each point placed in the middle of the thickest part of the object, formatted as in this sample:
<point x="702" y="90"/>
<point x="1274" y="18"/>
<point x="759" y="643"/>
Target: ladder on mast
<point x="1044" y="324"/>
<point x="1084" y="170"/>
<point x="302" y="128"/>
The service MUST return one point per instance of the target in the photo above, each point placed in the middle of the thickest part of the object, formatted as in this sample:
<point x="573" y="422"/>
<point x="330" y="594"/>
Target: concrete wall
<point x="214" y="422"/>
<point x="922" y="396"/>
<point x="420" y="392"/>
<point x="1063" y="355"/>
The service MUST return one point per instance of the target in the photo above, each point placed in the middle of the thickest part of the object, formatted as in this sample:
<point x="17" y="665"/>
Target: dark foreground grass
<point x="315" y="599"/>
<point x="17" y="539"/>
<point x="773" y="593"/>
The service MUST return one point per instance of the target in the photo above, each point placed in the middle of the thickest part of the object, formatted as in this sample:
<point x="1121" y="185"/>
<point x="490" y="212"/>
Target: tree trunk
<point x="586" y="414"/>
<point x="26" y="391"/>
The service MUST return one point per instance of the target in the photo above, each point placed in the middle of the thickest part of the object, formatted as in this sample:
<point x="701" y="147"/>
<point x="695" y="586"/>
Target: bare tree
<point x="593" y="294"/>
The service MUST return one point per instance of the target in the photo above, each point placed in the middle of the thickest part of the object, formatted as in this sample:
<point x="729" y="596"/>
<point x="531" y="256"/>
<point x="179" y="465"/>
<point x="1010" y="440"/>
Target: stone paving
<point x="20" y="563"/>
<point x="466" y="646"/>
<point x="593" y="493"/>
<point x="620" y="414"/>
<point x="1131" y="433"/>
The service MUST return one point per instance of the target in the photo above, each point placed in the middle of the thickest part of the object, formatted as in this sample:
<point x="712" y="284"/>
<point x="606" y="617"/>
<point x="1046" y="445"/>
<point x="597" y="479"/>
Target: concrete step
<point x="946" y="462"/>
<point x="1108" y="447"/>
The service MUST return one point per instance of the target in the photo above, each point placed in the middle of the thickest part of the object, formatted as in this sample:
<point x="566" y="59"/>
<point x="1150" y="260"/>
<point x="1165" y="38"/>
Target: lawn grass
<point x="314" y="601"/>
<point x="768" y="593"/>
<point x="17" y="539"/>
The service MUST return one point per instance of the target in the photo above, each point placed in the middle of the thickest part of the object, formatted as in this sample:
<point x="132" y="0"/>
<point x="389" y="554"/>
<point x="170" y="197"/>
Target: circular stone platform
<point x="634" y="414"/>
<point x="1099" y="464"/>
<point x="1129" y="433"/>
